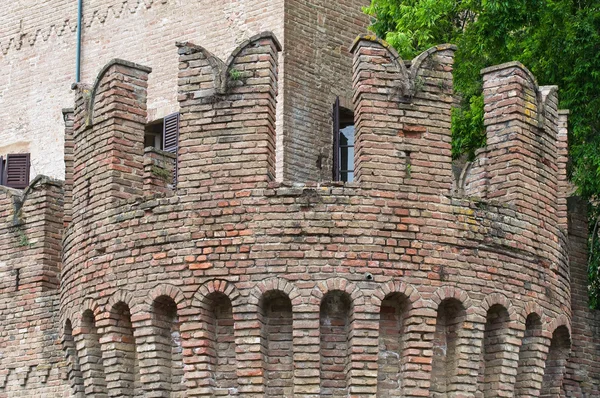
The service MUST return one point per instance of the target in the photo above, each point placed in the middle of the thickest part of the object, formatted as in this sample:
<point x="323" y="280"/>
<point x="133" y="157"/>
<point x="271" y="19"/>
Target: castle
<point x="195" y="270"/>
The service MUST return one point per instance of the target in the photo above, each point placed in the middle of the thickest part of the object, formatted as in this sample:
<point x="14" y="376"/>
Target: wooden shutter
<point x="1" y="170"/>
<point x="171" y="138"/>
<point x="16" y="172"/>
<point x="336" y="139"/>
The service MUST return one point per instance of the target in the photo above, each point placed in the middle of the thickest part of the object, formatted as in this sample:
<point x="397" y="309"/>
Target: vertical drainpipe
<point x="78" y="60"/>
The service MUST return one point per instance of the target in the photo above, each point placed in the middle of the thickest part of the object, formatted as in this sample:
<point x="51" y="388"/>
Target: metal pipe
<point x="79" y="29"/>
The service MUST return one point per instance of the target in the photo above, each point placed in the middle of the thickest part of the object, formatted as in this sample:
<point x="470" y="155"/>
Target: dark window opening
<point x="153" y="135"/>
<point x="14" y="170"/>
<point x="343" y="143"/>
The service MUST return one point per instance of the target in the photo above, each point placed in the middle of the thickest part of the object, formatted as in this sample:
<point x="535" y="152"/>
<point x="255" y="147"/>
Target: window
<point x="153" y="136"/>
<point x="14" y="170"/>
<point x="163" y="134"/>
<point x="343" y="143"/>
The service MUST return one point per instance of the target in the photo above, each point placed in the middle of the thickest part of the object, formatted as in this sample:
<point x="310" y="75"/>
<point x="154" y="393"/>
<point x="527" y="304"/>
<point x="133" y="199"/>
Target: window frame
<point x="341" y="119"/>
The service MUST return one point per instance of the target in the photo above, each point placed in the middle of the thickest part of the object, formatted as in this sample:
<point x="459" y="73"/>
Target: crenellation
<point x="403" y="124"/>
<point x="108" y="137"/>
<point x="228" y="114"/>
<point x="228" y="283"/>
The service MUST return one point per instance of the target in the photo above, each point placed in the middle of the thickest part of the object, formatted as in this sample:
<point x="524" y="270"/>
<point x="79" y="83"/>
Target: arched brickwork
<point x="90" y="351"/>
<point x="558" y="353"/>
<point x="124" y="297"/>
<point x="216" y="285"/>
<point x="276" y="316"/>
<point x="395" y="301"/>
<point x="495" y="371"/>
<point x="385" y="265"/>
<point x="69" y="314"/>
<point x="119" y="346"/>
<point x="218" y="303"/>
<point x="162" y="362"/>
<point x="502" y="329"/>
<point x="530" y="369"/>
<point x="72" y="358"/>
<point x="274" y="284"/>
<point x="553" y="324"/>
<point x="323" y="287"/>
<point x="385" y="289"/>
<point x="452" y="341"/>
<point x="448" y="292"/>
<point x="500" y="299"/>
<point x="392" y="328"/>
<point x="271" y="302"/>
<point x="335" y="338"/>
<point x="89" y="304"/>
<point x="171" y="291"/>
<point x="341" y="305"/>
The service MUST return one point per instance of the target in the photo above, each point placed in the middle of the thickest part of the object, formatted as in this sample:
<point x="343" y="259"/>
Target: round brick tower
<point x="408" y="282"/>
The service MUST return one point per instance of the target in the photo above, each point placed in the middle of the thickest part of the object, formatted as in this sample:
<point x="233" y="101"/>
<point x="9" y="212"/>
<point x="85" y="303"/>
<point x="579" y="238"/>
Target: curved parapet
<point x="403" y="117"/>
<point x="234" y="285"/>
<point x="108" y="138"/>
<point x="521" y="119"/>
<point x="228" y="115"/>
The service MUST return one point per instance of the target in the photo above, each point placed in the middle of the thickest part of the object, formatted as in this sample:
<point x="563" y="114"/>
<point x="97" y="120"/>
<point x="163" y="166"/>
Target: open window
<point x="153" y="135"/>
<point x="14" y="170"/>
<point x="343" y="143"/>
<point x="163" y="134"/>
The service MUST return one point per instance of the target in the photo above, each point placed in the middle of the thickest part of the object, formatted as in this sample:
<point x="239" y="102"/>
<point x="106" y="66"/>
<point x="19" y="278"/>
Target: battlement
<point x="406" y="282"/>
<point x="402" y="116"/>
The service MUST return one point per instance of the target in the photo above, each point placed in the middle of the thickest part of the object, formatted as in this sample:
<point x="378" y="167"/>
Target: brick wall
<point x="235" y="284"/>
<point x="317" y="69"/>
<point x="583" y="371"/>
<point x="32" y="361"/>
<point x="37" y="63"/>
<point x="390" y="285"/>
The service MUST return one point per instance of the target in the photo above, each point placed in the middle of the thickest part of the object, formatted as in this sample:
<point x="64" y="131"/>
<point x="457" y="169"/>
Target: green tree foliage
<point x="558" y="40"/>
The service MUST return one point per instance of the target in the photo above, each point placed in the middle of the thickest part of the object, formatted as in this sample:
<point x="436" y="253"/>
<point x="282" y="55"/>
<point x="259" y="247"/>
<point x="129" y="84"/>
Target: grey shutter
<point x="17" y="170"/>
<point x="336" y="139"/>
<point x="171" y="139"/>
